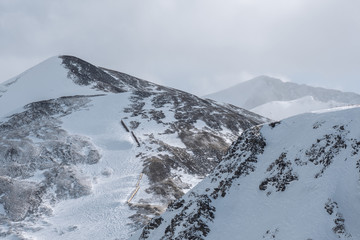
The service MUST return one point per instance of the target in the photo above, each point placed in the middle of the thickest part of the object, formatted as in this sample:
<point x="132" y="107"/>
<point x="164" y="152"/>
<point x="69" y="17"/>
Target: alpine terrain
<point x="91" y="153"/>
<point x="294" y="179"/>
<point x="277" y="100"/>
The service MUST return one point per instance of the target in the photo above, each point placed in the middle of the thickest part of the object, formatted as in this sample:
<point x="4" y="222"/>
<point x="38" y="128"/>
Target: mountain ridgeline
<point x="277" y="100"/>
<point x="294" y="179"/>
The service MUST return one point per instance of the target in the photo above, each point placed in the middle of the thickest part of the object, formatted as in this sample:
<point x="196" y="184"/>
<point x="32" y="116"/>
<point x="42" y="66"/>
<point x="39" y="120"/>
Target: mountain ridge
<point x="74" y="139"/>
<point x="293" y="179"/>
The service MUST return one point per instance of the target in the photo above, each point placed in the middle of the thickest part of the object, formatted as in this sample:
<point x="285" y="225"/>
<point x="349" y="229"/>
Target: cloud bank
<point x="199" y="46"/>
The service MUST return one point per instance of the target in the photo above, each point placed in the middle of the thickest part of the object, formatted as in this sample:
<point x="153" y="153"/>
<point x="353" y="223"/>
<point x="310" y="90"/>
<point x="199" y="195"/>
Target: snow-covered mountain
<point x="91" y="153"/>
<point x="295" y="179"/>
<point x="277" y="100"/>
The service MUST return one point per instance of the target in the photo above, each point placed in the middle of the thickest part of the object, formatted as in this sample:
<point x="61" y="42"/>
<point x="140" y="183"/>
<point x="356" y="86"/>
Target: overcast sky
<point x="199" y="46"/>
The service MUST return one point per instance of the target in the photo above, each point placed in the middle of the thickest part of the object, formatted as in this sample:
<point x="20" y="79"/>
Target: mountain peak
<point x="48" y="79"/>
<point x="266" y="78"/>
<point x="88" y="152"/>
<point x="272" y="97"/>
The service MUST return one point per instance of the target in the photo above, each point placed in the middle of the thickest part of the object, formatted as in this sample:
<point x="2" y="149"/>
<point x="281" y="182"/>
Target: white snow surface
<point x="275" y="99"/>
<point x="298" y="212"/>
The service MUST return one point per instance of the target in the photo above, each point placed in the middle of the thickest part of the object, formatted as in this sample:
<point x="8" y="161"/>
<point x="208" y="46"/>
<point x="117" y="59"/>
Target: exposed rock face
<point x="48" y="145"/>
<point x="295" y="179"/>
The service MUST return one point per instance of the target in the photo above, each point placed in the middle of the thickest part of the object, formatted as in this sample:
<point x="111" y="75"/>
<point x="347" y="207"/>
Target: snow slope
<point x="294" y="179"/>
<point x="47" y="80"/>
<point x="88" y="152"/>
<point x="277" y="100"/>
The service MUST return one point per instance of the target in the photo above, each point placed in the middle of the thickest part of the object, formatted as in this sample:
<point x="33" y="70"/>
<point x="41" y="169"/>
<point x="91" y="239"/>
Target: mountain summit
<point x="276" y="99"/>
<point x="88" y="152"/>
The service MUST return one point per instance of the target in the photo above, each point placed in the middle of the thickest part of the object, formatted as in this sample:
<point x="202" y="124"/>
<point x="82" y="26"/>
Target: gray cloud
<point x="198" y="46"/>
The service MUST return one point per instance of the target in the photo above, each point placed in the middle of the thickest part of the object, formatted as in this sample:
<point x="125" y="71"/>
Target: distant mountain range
<point x="275" y="99"/>
<point x="296" y="179"/>
<point x="91" y="153"/>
